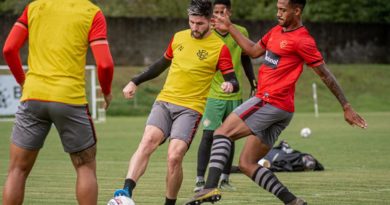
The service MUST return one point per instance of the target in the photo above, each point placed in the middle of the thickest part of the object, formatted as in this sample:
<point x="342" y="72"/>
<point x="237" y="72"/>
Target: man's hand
<point x="222" y="22"/>
<point x="107" y="101"/>
<point x="129" y="90"/>
<point x="227" y="87"/>
<point x="253" y="91"/>
<point x="353" y="118"/>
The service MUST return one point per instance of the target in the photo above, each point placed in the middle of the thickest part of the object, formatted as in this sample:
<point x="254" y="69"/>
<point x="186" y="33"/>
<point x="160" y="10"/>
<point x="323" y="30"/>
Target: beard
<point x="199" y="35"/>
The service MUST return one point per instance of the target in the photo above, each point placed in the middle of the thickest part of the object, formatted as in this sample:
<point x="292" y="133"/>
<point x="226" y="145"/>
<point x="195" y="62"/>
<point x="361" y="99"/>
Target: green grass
<point x="357" y="171"/>
<point x="363" y="85"/>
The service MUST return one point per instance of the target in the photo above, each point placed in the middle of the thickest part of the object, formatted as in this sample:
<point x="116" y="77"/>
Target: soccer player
<point x="193" y="57"/>
<point x="220" y="104"/>
<point x="286" y="47"/>
<point x="58" y="34"/>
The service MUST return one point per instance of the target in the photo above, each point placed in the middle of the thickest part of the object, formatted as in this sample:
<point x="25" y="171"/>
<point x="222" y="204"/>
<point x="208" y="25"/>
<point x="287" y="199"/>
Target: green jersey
<point x="235" y="50"/>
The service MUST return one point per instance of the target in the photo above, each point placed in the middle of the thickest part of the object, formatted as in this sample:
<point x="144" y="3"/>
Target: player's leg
<point x="76" y="129"/>
<point x="152" y="138"/>
<point x="176" y="151"/>
<point x="203" y="158"/>
<point x="183" y="131"/>
<point x="212" y="119"/>
<point x="20" y="164"/>
<point x="28" y="135"/>
<point x="84" y="163"/>
<point x="225" y="183"/>
<point x="158" y="127"/>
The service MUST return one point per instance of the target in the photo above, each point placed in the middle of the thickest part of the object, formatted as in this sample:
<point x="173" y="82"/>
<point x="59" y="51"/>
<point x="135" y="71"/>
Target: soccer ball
<point x="121" y="200"/>
<point x="305" y="132"/>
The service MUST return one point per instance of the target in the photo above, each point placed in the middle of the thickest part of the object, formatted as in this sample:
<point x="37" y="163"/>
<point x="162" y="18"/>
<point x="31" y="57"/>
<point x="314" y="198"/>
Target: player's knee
<point x="244" y="166"/>
<point x="174" y="160"/>
<point x="84" y="157"/>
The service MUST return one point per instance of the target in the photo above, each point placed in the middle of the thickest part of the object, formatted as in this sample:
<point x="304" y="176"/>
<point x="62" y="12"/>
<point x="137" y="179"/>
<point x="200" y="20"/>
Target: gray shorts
<point x="34" y="119"/>
<point x="265" y="120"/>
<point x="175" y="121"/>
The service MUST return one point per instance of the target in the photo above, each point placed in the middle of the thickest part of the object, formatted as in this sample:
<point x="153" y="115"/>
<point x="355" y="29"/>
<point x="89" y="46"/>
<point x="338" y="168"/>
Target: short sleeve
<point x="99" y="28"/>
<point x="308" y="50"/>
<point x="23" y="19"/>
<point x="225" y="61"/>
<point x="264" y="40"/>
<point x="169" y="52"/>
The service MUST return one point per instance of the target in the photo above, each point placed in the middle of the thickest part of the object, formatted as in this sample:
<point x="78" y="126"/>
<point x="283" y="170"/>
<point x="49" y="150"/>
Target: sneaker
<point x="121" y="192"/>
<point x="298" y="201"/>
<point x="199" y="185"/>
<point x="205" y="195"/>
<point x="226" y="186"/>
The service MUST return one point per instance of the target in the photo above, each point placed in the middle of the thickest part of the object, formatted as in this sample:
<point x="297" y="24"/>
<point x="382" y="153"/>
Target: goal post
<point x="9" y="97"/>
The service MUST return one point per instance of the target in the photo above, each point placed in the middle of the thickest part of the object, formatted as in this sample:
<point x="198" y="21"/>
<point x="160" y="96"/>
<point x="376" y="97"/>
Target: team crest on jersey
<point x="202" y="54"/>
<point x="283" y="44"/>
<point x="271" y="59"/>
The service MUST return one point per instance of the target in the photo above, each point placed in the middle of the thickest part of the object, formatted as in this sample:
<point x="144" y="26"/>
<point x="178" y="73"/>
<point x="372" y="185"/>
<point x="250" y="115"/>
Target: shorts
<point x="216" y="111"/>
<point x="34" y="119"/>
<point x="265" y="120"/>
<point x="175" y="121"/>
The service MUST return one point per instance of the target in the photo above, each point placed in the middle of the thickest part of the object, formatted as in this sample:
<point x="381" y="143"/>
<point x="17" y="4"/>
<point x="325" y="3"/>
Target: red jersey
<point x="283" y="64"/>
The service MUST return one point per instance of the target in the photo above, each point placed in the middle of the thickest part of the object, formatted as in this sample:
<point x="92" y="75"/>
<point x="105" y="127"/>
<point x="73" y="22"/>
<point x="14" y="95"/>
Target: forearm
<point x="231" y="78"/>
<point x="153" y="71"/>
<point x="248" y="69"/>
<point x="330" y="81"/>
<point x="105" y="65"/>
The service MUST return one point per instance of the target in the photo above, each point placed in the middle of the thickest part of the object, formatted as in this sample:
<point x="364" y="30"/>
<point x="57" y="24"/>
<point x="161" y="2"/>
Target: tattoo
<point x="330" y="81"/>
<point x="83" y="157"/>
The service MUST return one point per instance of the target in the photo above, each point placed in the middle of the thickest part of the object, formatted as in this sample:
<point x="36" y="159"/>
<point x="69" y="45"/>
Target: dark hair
<point x="200" y="8"/>
<point x="299" y="3"/>
<point x="227" y="3"/>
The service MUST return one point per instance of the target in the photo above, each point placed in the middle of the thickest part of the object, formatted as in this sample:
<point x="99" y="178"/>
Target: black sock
<point x="267" y="179"/>
<point x="170" y="201"/>
<point x="220" y="152"/>
<point x="229" y="163"/>
<point x="129" y="186"/>
<point x="204" y="152"/>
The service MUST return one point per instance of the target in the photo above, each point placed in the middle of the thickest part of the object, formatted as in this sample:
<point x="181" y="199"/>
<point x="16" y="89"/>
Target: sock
<point x="224" y="177"/>
<point x="204" y="152"/>
<point x="129" y="186"/>
<point x="170" y="201"/>
<point x="220" y="152"/>
<point x="266" y="179"/>
<point x="228" y="166"/>
<point x="199" y="178"/>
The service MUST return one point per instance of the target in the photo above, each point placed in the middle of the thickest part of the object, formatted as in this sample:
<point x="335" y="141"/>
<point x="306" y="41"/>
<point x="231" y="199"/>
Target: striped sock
<point x="266" y="179"/>
<point x="220" y="152"/>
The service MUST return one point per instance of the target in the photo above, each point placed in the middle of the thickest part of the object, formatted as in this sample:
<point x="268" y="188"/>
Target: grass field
<point x="357" y="168"/>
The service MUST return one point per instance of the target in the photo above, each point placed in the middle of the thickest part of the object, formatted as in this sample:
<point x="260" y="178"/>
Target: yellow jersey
<point x="194" y="64"/>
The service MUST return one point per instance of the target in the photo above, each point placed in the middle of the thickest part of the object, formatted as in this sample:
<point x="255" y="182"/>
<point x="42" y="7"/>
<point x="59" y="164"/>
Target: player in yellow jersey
<point x="59" y="33"/>
<point x="193" y="57"/>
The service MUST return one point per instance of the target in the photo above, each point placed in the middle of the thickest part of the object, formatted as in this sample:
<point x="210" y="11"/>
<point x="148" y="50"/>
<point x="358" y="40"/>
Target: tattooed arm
<point x="330" y="81"/>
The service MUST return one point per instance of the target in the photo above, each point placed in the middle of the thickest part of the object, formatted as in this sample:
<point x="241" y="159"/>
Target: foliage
<point x="368" y="11"/>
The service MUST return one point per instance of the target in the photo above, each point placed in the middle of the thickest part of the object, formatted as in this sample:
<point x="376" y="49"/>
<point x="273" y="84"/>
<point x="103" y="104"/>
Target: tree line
<point x="360" y="11"/>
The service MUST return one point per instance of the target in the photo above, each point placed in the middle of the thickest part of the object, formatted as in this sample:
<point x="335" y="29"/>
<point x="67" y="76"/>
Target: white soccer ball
<point x="121" y="200"/>
<point x="305" y="132"/>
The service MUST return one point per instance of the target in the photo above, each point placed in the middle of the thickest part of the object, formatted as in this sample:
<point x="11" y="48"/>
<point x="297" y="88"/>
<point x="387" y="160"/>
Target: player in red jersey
<point x="286" y="47"/>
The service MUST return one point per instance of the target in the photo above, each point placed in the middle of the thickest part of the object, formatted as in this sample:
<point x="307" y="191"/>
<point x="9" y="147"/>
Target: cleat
<point x="298" y="201"/>
<point x="199" y="185"/>
<point x="121" y="192"/>
<point x="206" y="195"/>
<point x="226" y="186"/>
